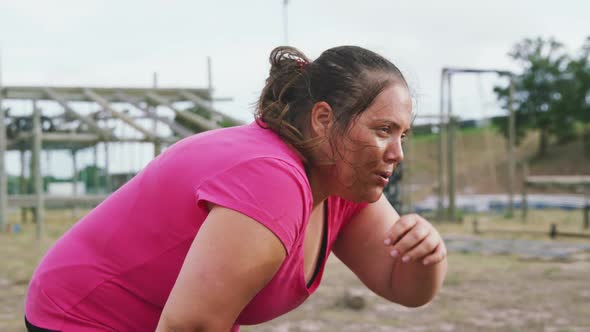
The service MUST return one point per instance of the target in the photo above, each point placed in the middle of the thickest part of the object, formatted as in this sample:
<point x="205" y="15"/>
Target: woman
<point x="234" y="226"/>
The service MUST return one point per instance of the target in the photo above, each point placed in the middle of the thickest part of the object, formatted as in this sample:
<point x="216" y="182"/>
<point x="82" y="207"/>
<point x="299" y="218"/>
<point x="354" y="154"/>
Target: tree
<point x="540" y="89"/>
<point x="580" y="67"/>
<point x="575" y="103"/>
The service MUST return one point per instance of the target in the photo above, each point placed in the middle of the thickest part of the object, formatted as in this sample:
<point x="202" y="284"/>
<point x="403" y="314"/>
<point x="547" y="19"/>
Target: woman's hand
<point x="414" y="239"/>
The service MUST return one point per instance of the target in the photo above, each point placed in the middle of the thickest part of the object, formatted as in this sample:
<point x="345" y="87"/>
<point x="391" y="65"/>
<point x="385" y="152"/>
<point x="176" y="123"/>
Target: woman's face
<point x="365" y="157"/>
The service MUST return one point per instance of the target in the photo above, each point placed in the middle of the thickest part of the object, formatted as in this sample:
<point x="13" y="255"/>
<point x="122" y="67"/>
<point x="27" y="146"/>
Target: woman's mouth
<point x="383" y="177"/>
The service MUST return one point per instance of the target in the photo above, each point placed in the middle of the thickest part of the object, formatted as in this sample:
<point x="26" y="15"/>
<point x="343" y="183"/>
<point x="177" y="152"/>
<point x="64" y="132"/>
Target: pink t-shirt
<point x="114" y="269"/>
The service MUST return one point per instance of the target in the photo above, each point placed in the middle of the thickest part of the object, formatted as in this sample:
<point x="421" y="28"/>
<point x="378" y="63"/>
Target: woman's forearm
<point x="414" y="284"/>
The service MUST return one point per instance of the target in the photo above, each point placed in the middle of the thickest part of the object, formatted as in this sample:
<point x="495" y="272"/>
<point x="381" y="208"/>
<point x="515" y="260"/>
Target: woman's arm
<point x="411" y="281"/>
<point x="230" y="260"/>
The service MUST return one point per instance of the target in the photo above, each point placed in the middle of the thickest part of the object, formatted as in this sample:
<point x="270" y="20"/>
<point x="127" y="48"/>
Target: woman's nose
<point x="394" y="152"/>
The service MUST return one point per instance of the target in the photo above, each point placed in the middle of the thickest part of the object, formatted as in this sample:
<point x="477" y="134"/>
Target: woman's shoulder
<point x="238" y="144"/>
<point x="342" y="210"/>
<point x="256" y="160"/>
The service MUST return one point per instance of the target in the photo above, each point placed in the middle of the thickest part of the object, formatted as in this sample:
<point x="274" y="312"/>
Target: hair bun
<point x="283" y="57"/>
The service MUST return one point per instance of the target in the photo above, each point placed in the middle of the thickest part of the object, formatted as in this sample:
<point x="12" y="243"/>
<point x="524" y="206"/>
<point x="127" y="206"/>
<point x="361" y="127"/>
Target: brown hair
<point x="348" y="78"/>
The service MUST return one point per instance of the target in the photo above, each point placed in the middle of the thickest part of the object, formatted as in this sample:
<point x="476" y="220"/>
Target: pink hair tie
<point x="301" y="63"/>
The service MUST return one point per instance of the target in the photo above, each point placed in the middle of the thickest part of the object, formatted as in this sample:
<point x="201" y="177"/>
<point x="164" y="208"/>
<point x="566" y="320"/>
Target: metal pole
<point x="154" y="110"/>
<point x="285" y="21"/>
<point x="446" y="73"/>
<point x="36" y="163"/>
<point x="451" y="150"/>
<point x="209" y="76"/>
<point x="511" y="144"/>
<point x="210" y="81"/>
<point x="441" y="149"/>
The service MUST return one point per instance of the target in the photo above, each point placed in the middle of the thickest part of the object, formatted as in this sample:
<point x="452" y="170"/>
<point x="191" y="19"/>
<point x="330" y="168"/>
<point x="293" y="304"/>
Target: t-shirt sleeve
<point x="268" y="190"/>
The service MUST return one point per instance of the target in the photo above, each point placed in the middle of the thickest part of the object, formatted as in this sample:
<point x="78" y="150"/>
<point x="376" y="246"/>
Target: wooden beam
<point x="174" y="126"/>
<point x="71" y="138"/>
<point x="107" y="172"/>
<point x="76" y="93"/>
<point x="77" y="138"/>
<point x="101" y="116"/>
<point x="88" y="138"/>
<point x="123" y="117"/>
<point x="157" y="149"/>
<point x="71" y="112"/>
<point x="441" y="149"/>
<point x="36" y="163"/>
<point x="524" y="206"/>
<point x="95" y="175"/>
<point x="558" y="180"/>
<point x="511" y="148"/>
<point x="22" y="185"/>
<point x="56" y="200"/>
<point x="451" y="151"/>
<point x="202" y="103"/>
<point x="500" y="72"/>
<point x="195" y="119"/>
<point x="3" y="179"/>
<point x="75" y="176"/>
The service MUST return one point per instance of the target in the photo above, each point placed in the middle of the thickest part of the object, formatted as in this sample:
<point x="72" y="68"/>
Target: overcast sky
<point x="121" y="43"/>
<point x="73" y="42"/>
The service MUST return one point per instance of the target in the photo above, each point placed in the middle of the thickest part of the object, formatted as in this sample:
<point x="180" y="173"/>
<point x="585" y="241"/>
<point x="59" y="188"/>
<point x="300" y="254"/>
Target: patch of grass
<point x="475" y="284"/>
<point x="551" y="272"/>
<point x="535" y="227"/>
<point x="453" y="280"/>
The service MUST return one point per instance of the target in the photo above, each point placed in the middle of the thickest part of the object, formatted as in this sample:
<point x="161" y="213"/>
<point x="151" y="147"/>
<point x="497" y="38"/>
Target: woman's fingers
<point x="423" y="248"/>
<point x="399" y="229"/>
<point x="410" y="239"/>
<point x="438" y="255"/>
<point x="414" y="238"/>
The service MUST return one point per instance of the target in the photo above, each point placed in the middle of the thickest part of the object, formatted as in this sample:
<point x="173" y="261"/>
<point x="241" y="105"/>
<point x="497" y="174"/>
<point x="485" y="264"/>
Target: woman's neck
<point x="319" y="188"/>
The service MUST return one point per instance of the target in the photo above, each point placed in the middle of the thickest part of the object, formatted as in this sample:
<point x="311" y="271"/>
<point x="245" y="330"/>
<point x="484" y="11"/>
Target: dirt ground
<point x="482" y="292"/>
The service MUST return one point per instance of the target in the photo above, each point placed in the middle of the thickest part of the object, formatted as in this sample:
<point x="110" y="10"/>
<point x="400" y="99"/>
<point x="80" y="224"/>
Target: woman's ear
<point x="322" y="118"/>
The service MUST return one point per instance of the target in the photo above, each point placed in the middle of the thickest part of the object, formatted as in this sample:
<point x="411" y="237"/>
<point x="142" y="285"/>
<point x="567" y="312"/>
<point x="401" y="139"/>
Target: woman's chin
<point x="369" y="196"/>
